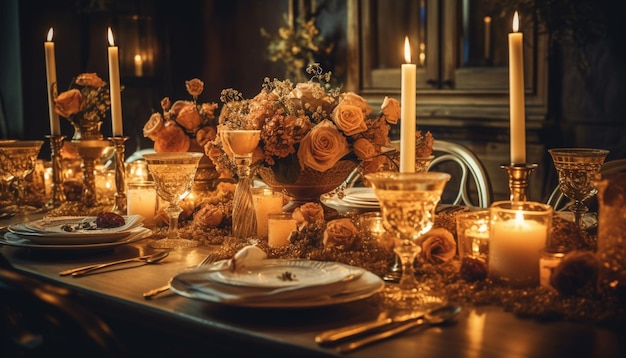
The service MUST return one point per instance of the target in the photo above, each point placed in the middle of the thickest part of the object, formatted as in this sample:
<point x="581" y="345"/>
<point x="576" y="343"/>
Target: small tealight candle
<point x="519" y="232"/>
<point x="472" y="230"/>
<point x="266" y="201"/>
<point x="279" y="228"/>
<point x="141" y="199"/>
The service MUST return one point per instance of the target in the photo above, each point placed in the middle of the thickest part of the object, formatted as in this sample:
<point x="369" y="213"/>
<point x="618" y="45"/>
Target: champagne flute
<point x="408" y="202"/>
<point x="577" y="168"/>
<point x="18" y="160"/>
<point x="173" y="174"/>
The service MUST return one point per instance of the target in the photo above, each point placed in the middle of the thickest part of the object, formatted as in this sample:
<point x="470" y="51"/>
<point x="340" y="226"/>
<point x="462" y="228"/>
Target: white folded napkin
<point x="245" y="257"/>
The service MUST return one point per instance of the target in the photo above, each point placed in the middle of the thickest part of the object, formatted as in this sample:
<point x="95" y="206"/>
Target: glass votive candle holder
<point x="371" y="224"/>
<point x="265" y="201"/>
<point x="518" y="233"/>
<point x="279" y="229"/>
<point x="472" y="230"/>
<point x="141" y="199"/>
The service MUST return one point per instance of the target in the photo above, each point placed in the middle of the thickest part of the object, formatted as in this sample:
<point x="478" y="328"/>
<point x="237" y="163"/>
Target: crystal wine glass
<point x="577" y="168"/>
<point x="18" y="160"/>
<point x="242" y="143"/>
<point x="173" y="174"/>
<point x="408" y="202"/>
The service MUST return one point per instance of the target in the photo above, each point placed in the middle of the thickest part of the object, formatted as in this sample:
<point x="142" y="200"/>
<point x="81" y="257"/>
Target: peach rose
<point x="364" y="149"/>
<point x="340" y="233"/>
<point x="189" y="118"/>
<point x="171" y="139"/>
<point x="313" y="96"/>
<point x="391" y="110"/>
<point x="438" y="246"/>
<point x="68" y="103"/>
<point x="209" y="216"/>
<point x="194" y="87"/>
<point x="205" y="135"/>
<point x="349" y="118"/>
<point x="153" y="126"/>
<point x="209" y="109"/>
<point x="354" y="99"/>
<point x="308" y="213"/>
<point x="90" y="80"/>
<point x="322" y="147"/>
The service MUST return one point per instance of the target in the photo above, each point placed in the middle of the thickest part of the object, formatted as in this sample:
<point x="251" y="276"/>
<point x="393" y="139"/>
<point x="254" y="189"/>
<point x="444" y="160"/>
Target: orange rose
<point x="349" y="118"/>
<point x="322" y="147"/>
<point x="194" y="87"/>
<point x="209" y="216"/>
<point x="340" y="233"/>
<point x="209" y="109"/>
<point x="205" y="135"/>
<point x="68" y="103"/>
<point x="308" y="213"/>
<point x="189" y="118"/>
<point x="364" y="149"/>
<point x="153" y="126"/>
<point x="354" y="99"/>
<point x="171" y="139"/>
<point x="90" y="80"/>
<point x="438" y="246"/>
<point x="391" y="110"/>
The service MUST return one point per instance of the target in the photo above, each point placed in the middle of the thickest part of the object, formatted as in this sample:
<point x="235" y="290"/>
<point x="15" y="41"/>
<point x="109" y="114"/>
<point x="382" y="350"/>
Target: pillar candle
<point x="266" y="201"/>
<point x="515" y="246"/>
<point x="407" y="128"/>
<point x="114" y="83"/>
<point x="516" y="94"/>
<point x="487" y="21"/>
<point x="280" y="227"/>
<point x="51" y="76"/>
<point x="142" y="200"/>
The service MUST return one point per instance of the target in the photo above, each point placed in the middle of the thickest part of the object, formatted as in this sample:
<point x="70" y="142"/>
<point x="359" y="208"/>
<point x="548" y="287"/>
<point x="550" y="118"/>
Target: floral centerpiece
<point x="85" y="104"/>
<point x="312" y="136"/>
<point x="184" y="125"/>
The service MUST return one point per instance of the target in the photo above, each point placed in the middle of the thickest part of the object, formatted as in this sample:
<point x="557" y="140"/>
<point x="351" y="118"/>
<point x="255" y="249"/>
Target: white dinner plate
<point x="344" y="207"/>
<point x="367" y="285"/>
<point x="361" y="194"/>
<point x="54" y="226"/>
<point x="12" y="239"/>
<point x="275" y="273"/>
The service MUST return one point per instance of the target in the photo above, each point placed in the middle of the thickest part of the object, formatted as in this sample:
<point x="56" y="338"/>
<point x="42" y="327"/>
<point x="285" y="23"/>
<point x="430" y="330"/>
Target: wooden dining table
<point x="173" y="325"/>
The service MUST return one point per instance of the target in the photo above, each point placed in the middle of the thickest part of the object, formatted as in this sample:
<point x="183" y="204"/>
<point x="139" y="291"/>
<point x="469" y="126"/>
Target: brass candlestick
<point x="90" y="150"/>
<point x="518" y="179"/>
<point x="120" y="175"/>
<point x="57" y="196"/>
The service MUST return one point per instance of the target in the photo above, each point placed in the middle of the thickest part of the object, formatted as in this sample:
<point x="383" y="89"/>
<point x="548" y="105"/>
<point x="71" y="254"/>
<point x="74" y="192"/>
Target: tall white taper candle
<point x="516" y="94"/>
<point x="51" y="80"/>
<point x="114" y="83"/>
<point x="407" y="102"/>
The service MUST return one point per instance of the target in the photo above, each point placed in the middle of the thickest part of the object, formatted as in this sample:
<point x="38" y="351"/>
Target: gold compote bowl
<point x="242" y="143"/>
<point x="18" y="159"/>
<point x="577" y="168"/>
<point x="173" y="175"/>
<point x="408" y="202"/>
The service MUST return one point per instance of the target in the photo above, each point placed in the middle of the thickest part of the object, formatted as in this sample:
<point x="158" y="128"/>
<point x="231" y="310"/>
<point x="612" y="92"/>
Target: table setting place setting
<point x="76" y="232"/>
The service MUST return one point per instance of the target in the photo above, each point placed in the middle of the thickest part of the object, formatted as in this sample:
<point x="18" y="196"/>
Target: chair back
<point x="470" y="184"/>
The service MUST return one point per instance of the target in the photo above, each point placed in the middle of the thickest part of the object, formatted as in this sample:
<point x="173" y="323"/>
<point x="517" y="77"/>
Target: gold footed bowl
<point x="311" y="184"/>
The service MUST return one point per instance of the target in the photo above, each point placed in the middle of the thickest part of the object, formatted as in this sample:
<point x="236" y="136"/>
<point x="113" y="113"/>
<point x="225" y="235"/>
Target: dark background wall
<point x="219" y="42"/>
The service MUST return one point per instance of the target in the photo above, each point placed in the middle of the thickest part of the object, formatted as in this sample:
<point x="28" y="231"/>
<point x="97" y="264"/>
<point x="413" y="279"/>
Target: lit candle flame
<point x="515" y="22"/>
<point x="50" y="33"/>
<point x="519" y="218"/>
<point x="110" y="34"/>
<point x="407" y="50"/>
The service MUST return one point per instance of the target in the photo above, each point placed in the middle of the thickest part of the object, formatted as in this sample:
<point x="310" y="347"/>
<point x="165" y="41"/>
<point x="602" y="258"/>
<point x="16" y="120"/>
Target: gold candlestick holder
<point x="518" y="179"/>
<point x="90" y="150"/>
<point x="120" y="175"/>
<point x="57" y="195"/>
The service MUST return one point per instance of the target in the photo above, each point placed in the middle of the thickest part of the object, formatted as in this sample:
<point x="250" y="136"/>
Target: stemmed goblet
<point x="173" y="174"/>
<point x="242" y="143"/>
<point x="408" y="202"/>
<point x="18" y="160"/>
<point x="577" y="168"/>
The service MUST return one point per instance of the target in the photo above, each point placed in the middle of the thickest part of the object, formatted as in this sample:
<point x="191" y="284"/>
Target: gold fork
<point x="212" y="257"/>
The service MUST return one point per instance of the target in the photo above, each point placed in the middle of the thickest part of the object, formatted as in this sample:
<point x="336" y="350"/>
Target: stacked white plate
<point x="360" y="199"/>
<point x="74" y="232"/>
<point x="278" y="283"/>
